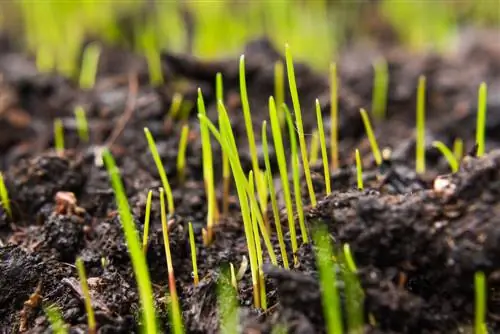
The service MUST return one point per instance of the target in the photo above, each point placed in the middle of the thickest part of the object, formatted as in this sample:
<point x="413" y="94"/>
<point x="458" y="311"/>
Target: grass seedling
<point x="314" y="148"/>
<point x="298" y="121"/>
<point x="192" y="244"/>
<point x="134" y="247"/>
<point x="175" y="106"/>
<point x="448" y="154"/>
<point x="181" y="153"/>
<point x="176" y="317"/>
<point x="371" y="137"/>
<point x="328" y="282"/>
<point x="59" y="136"/>
<point x="4" y="196"/>
<point x="354" y="300"/>
<point x="81" y="124"/>
<point x="280" y="154"/>
<point x="481" y="119"/>
<point x="349" y="258"/>
<point x="279" y="87"/>
<point x="359" y="170"/>
<point x="146" y="223"/>
<point x="334" y="127"/>
<point x="228" y="143"/>
<point x="248" y="122"/>
<point x="296" y="176"/>
<point x="208" y="170"/>
<point x="322" y="141"/>
<point x="86" y="296"/>
<point x="272" y="193"/>
<point x="90" y="62"/>
<point x="420" y="141"/>
<point x="161" y="170"/>
<point x="380" y="87"/>
<point x="480" y="303"/>
<point x="458" y="149"/>
<point x="234" y="280"/>
<point x="56" y="321"/>
<point x="227" y="305"/>
<point x="226" y="170"/>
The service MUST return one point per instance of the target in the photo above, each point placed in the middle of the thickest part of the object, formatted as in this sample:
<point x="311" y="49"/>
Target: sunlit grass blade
<point x="4" y="196"/>
<point x="458" y="149"/>
<point x="192" y="244"/>
<point x="380" y="87"/>
<point x="56" y="320"/>
<point x="480" y="303"/>
<point x="329" y="293"/>
<point x="90" y="62"/>
<point x="359" y="171"/>
<point x="279" y="87"/>
<point x="175" y="315"/>
<point x="227" y="301"/>
<point x="322" y="141"/>
<point x="314" y="148"/>
<point x="448" y="154"/>
<point x="226" y="170"/>
<point x="354" y="301"/>
<point x="334" y="127"/>
<point x="481" y="119"/>
<point x="92" y="329"/>
<point x="296" y="176"/>
<point x="81" y="124"/>
<point x="272" y="193"/>
<point x="161" y="170"/>
<point x="175" y="106"/>
<point x="134" y="247"/>
<point x="420" y="140"/>
<point x="282" y="166"/>
<point x="298" y="123"/>
<point x="371" y="137"/>
<point x="146" y="223"/>
<point x="181" y="153"/>
<point x="59" y="136"/>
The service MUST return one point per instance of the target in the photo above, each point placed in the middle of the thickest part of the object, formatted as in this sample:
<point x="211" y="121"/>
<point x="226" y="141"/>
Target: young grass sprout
<point x="90" y="62"/>
<point x="59" y="136"/>
<point x="420" y="140"/>
<point x="448" y="154"/>
<point x="226" y="170"/>
<point x="181" y="153"/>
<point x="334" y="117"/>
<point x="161" y="170"/>
<point x="354" y="300"/>
<point x="371" y="137"/>
<point x="55" y="319"/>
<point x="480" y="303"/>
<point x="81" y="124"/>
<point x="227" y="301"/>
<point x="279" y="87"/>
<point x="380" y="87"/>
<point x="458" y="149"/>
<point x="359" y="170"/>
<point x="4" y="196"/>
<point x="175" y="106"/>
<point x="134" y="247"/>
<point x="92" y="329"/>
<point x="481" y="119"/>
<point x="322" y="141"/>
<point x="146" y="223"/>
<point x="192" y="244"/>
<point x="298" y="121"/>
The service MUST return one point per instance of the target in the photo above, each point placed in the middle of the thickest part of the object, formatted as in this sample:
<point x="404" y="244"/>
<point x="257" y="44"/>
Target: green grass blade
<point x="90" y="62"/>
<point x="480" y="303"/>
<point x="134" y="247"/>
<point x="298" y="121"/>
<point x="380" y="87"/>
<point x="86" y="294"/>
<point x="4" y="196"/>
<point x="334" y="117"/>
<point x="181" y="153"/>
<point x="279" y="87"/>
<point x="354" y="300"/>
<point x="359" y="170"/>
<point x="56" y="320"/>
<point x="146" y="222"/>
<point x="81" y="124"/>
<point x="371" y="136"/>
<point x="227" y="301"/>
<point x="448" y="154"/>
<point x="420" y="142"/>
<point x="322" y="141"/>
<point x="59" y="136"/>
<point x="194" y="261"/>
<point x="481" y="119"/>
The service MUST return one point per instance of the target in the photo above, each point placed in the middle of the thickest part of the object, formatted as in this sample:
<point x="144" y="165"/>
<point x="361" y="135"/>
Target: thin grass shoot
<point x="175" y="106"/>
<point x="322" y="141"/>
<point x="480" y="291"/>
<point x="359" y="170"/>
<point x="90" y="62"/>
<point x="59" y="136"/>
<point x="192" y="244"/>
<point x="380" y="87"/>
<point x="420" y="140"/>
<point x="334" y="127"/>
<point x="458" y="149"/>
<point x="81" y="124"/>
<point x="481" y="119"/>
<point x="371" y="137"/>
<point x="279" y="87"/>
<point x="56" y="320"/>
<point x="147" y="218"/>
<point x="92" y="328"/>
<point x="181" y="153"/>
<point x="354" y="301"/>
<point x="4" y="196"/>
<point x="448" y="154"/>
<point x="226" y="170"/>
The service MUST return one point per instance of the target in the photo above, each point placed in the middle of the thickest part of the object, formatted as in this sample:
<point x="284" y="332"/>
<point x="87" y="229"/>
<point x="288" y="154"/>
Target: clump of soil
<point x="417" y="239"/>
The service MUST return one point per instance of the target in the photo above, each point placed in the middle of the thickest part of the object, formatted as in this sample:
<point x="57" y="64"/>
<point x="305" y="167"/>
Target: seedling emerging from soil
<point x="272" y="193"/>
<point x="371" y="137"/>
<point x="161" y="170"/>
<point x="175" y="106"/>
<point x="192" y="244"/>
<point x="81" y="124"/>
<point x="322" y="141"/>
<point x="448" y="154"/>
<point x="298" y="121"/>
<point x="90" y="63"/>
<point x="86" y="296"/>
<point x="420" y="141"/>
<point x="234" y="280"/>
<point x="481" y="118"/>
<point x="181" y="153"/>
<point x="328" y="282"/>
<point x="349" y="258"/>
<point x="208" y="170"/>
<point x="296" y="176"/>
<point x="4" y="196"/>
<point x="175" y="314"/>
<point x="146" y="223"/>
<point x="228" y="305"/>
<point x="134" y="247"/>
<point x="380" y="86"/>
<point x="314" y="148"/>
<point x="59" y="136"/>
<point x="359" y="170"/>
<point x="354" y="294"/>
<point x="480" y="301"/>
<point x="56" y="320"/>
<point x="226" y="170"/>
<point x="280" y="154"/>
<point x="458" y="149"/>
<point x="334" y="117"/>
<point x="279" y="87"/>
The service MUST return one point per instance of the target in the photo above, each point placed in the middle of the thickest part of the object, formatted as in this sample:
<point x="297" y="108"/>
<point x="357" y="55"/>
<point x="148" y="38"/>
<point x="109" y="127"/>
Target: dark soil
<point x="417" y="247"/>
